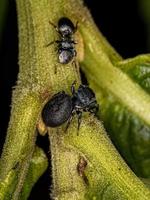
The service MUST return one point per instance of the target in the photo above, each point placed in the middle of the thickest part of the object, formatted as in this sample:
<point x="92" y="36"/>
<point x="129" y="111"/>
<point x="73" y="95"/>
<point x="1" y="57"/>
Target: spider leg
<point x="52" y="24"/>
<point x="94" y="110"/>
<point x="69" y="121"/>
<point x="79" y="115"/>
<point x="50" y="43"/>
<point x="73" y="87"/>
<point x="55" y="41"/>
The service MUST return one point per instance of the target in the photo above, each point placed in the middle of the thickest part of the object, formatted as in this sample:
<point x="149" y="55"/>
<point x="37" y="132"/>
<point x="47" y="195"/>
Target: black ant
<point x="66" y="45"/>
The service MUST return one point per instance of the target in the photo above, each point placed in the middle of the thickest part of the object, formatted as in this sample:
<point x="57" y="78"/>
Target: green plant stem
<point x="66" y="182"/>
<point x="105" y="166"/>
<point x="38" y="165"/>
<point x="97" y="147"/>
<point x="19" y="134"/>
<point x="20" y="141"/>
<point x="108" y="77"/>
<point x="37" y="82"/>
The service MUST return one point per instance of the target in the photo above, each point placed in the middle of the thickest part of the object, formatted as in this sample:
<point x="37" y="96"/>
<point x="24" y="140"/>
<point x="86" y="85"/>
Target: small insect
<point x="66" y="44"/>
<point x="62" y="107"/>
<point x="81" y="166"/>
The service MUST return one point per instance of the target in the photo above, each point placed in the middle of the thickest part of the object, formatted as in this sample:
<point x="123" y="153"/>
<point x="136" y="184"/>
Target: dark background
<point x="120" y="21"/>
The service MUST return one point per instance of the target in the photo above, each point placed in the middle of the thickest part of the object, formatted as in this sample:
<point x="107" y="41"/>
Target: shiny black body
<point x="62" y="107"/>
<point x="57" y="110"/>
<point x="65" y="27"/>
<point x="66" y="44"/>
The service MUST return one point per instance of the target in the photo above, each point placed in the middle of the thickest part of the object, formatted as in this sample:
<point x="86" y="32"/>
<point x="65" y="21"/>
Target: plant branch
<point x="37" y="81"/>
<point x="112" y="79"/>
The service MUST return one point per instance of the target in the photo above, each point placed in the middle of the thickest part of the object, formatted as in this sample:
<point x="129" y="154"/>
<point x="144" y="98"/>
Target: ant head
<point x="66" y="27"/>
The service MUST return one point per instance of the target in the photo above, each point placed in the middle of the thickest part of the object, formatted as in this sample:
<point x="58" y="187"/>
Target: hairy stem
<point x="37" y="81"/>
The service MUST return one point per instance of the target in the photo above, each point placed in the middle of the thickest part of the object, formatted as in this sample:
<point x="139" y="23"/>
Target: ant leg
<point x="51" y="23"/>
<point x="79" y="114"/>
<point x="73" y="87"/>
<point x="76" y="27"/>
<point x="55" y="41"/>
<point x="50" y="43"/>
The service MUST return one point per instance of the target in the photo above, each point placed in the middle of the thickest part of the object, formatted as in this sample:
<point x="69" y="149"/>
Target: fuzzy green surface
<point x="37" y="82"/>
<point x="129" y="132"/>
<point x="38" y="165"/>
<point x="122" y="90"/>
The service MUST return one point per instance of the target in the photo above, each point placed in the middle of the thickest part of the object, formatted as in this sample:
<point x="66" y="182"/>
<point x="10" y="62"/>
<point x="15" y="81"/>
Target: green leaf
<point x="138" y="69"/>
<point x="129" y="132"/>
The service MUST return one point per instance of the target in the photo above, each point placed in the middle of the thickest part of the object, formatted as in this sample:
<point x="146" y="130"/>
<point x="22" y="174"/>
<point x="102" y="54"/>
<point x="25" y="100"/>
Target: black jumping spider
<point x="62" y="107"/>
